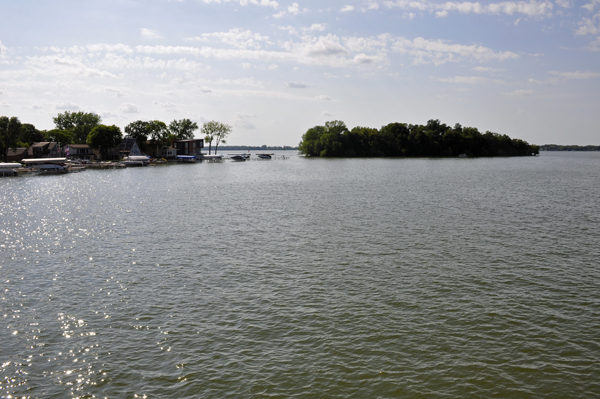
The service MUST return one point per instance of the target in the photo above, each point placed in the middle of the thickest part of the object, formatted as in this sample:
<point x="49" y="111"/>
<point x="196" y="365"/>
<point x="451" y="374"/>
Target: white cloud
<point x="205" y="89"/>
<point x="437" y="51"/>
<point x="296" y="85"/>
<point x="150" y="34"/>
<point x="293" y="9"/>
<point x="266" y="3"/>
<point x="590" y="6"/>
<point x="239" y="39"/>
<point x="323" y="46"/>
<point x="587" y="27"/>
<point x="4" y="104"/>
<point x="347" y="8"/>
<point x="371" y="5"/>
<point x="531" y="8"/>
<point x="326" y="113"/>
<point x="244" y="120"/>
<point x="323" y="98"/>
<point x="576" y="75"/>
<point x="564" y="3"/>
<point x="67" y="106"/>
<point x="488" y="70"/>
<point x="129" y="108"/>
<point x="109" y="115"/>
<point x="36" y="106"/>
<point x="315" y="28"/>
<point x="168" y="104"/>
<point x="520" y="93"/>
<point x="470" y="80"/>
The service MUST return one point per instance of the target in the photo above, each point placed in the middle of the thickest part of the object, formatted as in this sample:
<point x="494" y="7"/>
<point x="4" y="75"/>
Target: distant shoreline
<point x="556" y="147"/>
<point x="255" y="148"/>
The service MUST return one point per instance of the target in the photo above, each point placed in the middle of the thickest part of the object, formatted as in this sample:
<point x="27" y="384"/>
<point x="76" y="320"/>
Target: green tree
<point x="159" y="135"/>
<point x="79" y="124"/>
<point x="183" y="129"/>
<point x="215" y="131"/>
<point x="139" y="130"/>
<point x="104" y="138"/>
<point x="28" y="135"/>
<point x="9" y="134"/>
<point x="62" y="137"/>
<point x="310" y="144"/>
<point x="325" y="141"/>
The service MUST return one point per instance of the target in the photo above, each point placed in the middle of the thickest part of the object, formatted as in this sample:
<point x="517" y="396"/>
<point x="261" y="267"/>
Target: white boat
<point x="212" y="158"/>
<point x="136" y="160"/>
<point x="9" y="169"/>
<point x="48" y="165"/>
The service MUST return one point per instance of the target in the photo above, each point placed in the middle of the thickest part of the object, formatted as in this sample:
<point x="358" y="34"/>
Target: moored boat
<point x="187" y="158"/>
<point x="48" y="165"/>
<point x="9" y="169"/>
<point x="136" y="160"/>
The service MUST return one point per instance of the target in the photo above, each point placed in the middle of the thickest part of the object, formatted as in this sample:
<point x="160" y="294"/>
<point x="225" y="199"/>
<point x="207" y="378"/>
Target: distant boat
<point x="237" y="157"/>
<point x="264" y="155"/>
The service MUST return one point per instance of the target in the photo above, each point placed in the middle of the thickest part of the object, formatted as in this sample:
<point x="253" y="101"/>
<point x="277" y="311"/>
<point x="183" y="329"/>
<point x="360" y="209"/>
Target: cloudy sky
<point x="274" y="68"/>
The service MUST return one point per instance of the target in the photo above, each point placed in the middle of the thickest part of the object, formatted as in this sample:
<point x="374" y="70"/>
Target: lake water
<point x="370" y="278"/>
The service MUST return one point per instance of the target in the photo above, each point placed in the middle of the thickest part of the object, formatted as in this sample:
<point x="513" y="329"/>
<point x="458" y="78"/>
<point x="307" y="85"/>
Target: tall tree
<point x="28" y="134"/>
<point x="104" y="138"/>
<point x="183" y="129"/>
<point x="79" y="124"/>
<point x="9" y="134"/>
<point x="159" y="135"/>
<point x="62" y="137"/>
<point x="139" y="130"/>
<point x="215" y="131"/>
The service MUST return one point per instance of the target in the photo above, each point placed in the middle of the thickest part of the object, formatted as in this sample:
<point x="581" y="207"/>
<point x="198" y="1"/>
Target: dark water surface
<point x="304" y="278"/>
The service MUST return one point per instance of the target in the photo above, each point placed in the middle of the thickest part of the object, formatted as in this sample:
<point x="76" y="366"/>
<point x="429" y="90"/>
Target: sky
<point x="274" y="68"/>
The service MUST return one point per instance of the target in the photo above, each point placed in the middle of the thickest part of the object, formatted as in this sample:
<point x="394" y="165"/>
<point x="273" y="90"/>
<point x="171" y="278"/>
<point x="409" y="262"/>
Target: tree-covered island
<point x="434" y="139"/>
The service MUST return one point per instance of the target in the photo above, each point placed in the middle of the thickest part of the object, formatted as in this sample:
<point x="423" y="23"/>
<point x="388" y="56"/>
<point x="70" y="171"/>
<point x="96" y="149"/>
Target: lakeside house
<point x="16" y="154"/>
<point x="44" y="149"/>
<point x="79" y="151"/>
<point x="128" y="147"/>
<point x="179" y="147"/>
<point x="189" y="147"/>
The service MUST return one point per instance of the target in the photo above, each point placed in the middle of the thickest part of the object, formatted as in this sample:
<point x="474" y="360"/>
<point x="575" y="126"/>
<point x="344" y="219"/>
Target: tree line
<point x="87" y="128"/>
<point x="558" y="147"/>
<point x="435" y="139"/>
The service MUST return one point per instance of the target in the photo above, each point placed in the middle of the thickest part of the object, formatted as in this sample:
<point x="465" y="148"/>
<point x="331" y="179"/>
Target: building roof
<point x="16" y="151"/>
<point x="127" y="144"/>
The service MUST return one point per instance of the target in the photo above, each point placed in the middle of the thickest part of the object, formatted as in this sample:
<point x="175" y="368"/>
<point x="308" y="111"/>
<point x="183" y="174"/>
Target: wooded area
<point x="434" y="139"/>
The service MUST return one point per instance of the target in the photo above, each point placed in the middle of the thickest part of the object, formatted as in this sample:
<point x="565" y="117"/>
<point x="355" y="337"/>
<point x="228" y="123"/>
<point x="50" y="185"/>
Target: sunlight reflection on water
<point x="367" y="278"/>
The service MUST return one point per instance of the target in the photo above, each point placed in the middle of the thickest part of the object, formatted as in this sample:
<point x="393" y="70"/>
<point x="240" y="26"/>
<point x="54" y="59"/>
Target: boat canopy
<point x="187" y="157"/>
<point x="41" y="161"/>
<point x="10" y="165"/>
